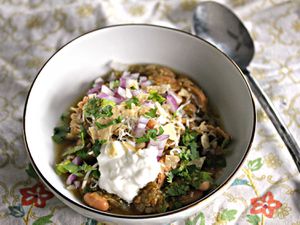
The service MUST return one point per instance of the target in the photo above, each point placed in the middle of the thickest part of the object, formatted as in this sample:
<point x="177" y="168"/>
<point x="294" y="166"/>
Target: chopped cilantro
<point x="151" y="134"/>
<point x="225" y="143"/>
<point x="114" y="84"/>
<point x="74" y="149"/>
<point x="82" y="154"/>
<point x="69" y="167"/>
<point x="106" y="102"/>
<point x="189" y="139"/>
<point x="151" y="113"/>
<point x="96" y="174"/>
<point x="154" y="96"/>
<point x="113" y="122"/>
<point x="98" y="108"/>
<point x="65" y="117"/>
<point x="86" y="168"/>
<point x="177" y="189"/>
<point x="129" y="102"/>
<point x="60" y="133"/>
<point x="170" y="177"/>
<point x="97" y="146"/>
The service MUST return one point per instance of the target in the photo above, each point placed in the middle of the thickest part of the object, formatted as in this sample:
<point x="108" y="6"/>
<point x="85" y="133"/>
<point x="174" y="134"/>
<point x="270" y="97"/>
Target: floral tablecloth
<point x="267" y="190"/>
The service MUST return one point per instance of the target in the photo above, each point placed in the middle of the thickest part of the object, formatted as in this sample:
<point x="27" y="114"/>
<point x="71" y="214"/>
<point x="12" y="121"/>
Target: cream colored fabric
<point x="32" y="30"/>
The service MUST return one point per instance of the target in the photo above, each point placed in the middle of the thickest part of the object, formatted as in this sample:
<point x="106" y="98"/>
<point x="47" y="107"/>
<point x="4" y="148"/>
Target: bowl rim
<point x="146" y="216"/>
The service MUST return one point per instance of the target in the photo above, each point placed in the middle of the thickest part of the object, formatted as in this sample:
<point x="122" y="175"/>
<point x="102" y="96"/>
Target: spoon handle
<point x="278" y="123"/>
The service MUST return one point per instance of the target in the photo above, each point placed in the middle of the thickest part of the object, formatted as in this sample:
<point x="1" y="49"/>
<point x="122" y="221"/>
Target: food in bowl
<point x="142" y="140"/>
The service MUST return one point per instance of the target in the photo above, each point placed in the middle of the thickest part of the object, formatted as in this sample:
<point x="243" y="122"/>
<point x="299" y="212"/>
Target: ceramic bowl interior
<point x="69" y="72"/>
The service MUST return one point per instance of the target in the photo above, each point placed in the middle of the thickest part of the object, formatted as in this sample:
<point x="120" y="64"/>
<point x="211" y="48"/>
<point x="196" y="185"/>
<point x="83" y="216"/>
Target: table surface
<point x="267" y="189"/>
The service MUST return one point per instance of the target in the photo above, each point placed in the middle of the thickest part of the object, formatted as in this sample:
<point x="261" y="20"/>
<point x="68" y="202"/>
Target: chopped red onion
<point x="94" y="90"/>
<point x="77" y="184"/>
<point x="112" y="76"/>
<point x="141" y="126"/>
<point x="125" y="74"/>
<point x="136" y="92"/>
<point x="143" y="120"/>
<point x="98" y="80"/>
<point x="172" y="103"/>
<point x="109" y="97"/>
<point x="177" y="99"/>
<point x="143" y="79"/>
<point x="160" y="153"/>
<point x="71" y="178"/>
<point x="149" y="104"/>
<point x="134" y="76"/>
<point x="146" y="83"/>
<point x="160" y="143"/>
<point x="77" y="160"/>
<point x="163" y="137"/>
<point x="106" y="90"/>
<point x="153" y="143"/>
<point x="122" y="92"/>
<point x="128" y="93"/>
<point x="123" y="82"/>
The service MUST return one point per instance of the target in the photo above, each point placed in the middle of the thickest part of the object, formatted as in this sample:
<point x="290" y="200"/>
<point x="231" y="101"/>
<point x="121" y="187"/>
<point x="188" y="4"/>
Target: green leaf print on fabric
<point x="256" y="164"/>
<point x="238" y="181"/>
<point x="16" y="210"/>
<point x="43" y="220"/>
<point x="253" y="219"/>
<point x="198" y="220"/>
<point x="228" y="214"/>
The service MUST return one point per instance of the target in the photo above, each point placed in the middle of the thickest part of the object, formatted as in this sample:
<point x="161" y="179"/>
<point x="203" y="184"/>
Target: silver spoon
<point x="220" y="26"/>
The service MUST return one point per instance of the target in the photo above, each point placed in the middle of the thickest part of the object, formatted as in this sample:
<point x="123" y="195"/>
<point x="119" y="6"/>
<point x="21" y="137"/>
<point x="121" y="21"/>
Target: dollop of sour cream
<point x="125" y="171"/>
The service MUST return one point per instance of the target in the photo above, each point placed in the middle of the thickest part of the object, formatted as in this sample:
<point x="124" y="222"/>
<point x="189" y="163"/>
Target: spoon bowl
<point x="218" y="25"/>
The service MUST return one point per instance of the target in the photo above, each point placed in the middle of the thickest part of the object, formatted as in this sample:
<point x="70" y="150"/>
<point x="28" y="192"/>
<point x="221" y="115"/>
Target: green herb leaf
<point x="60" y="133"/>
<point x="176" y="189"/>
<point x="113" y="122"/>
<point x="106" y="102"/>
<point x="82" y="153"/>
<point x="72" y="150"/>
<point x="170" y="177"/>
<point x="151" y="113"/>
<point x="86" y="168"/>
<point x="65" y="117"/>
<point x="67" y="167"/>
<point x="60" y="167"/>
<point x="151" y="134"/>
<point x="154" y="96"/>
<point x="190" y="139"/>
<point x="225" y="143"/>
<point x="129" y="102"/>
<point x="97" y="146"/>
<point x="43" y="220"/>
<point x="114" y="84"/>
<point x="96" y="174"/>
<point x="98" y="108"/>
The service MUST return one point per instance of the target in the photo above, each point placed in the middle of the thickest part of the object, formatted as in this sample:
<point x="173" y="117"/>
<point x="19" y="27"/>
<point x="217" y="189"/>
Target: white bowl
<point x="68" y="73"/>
